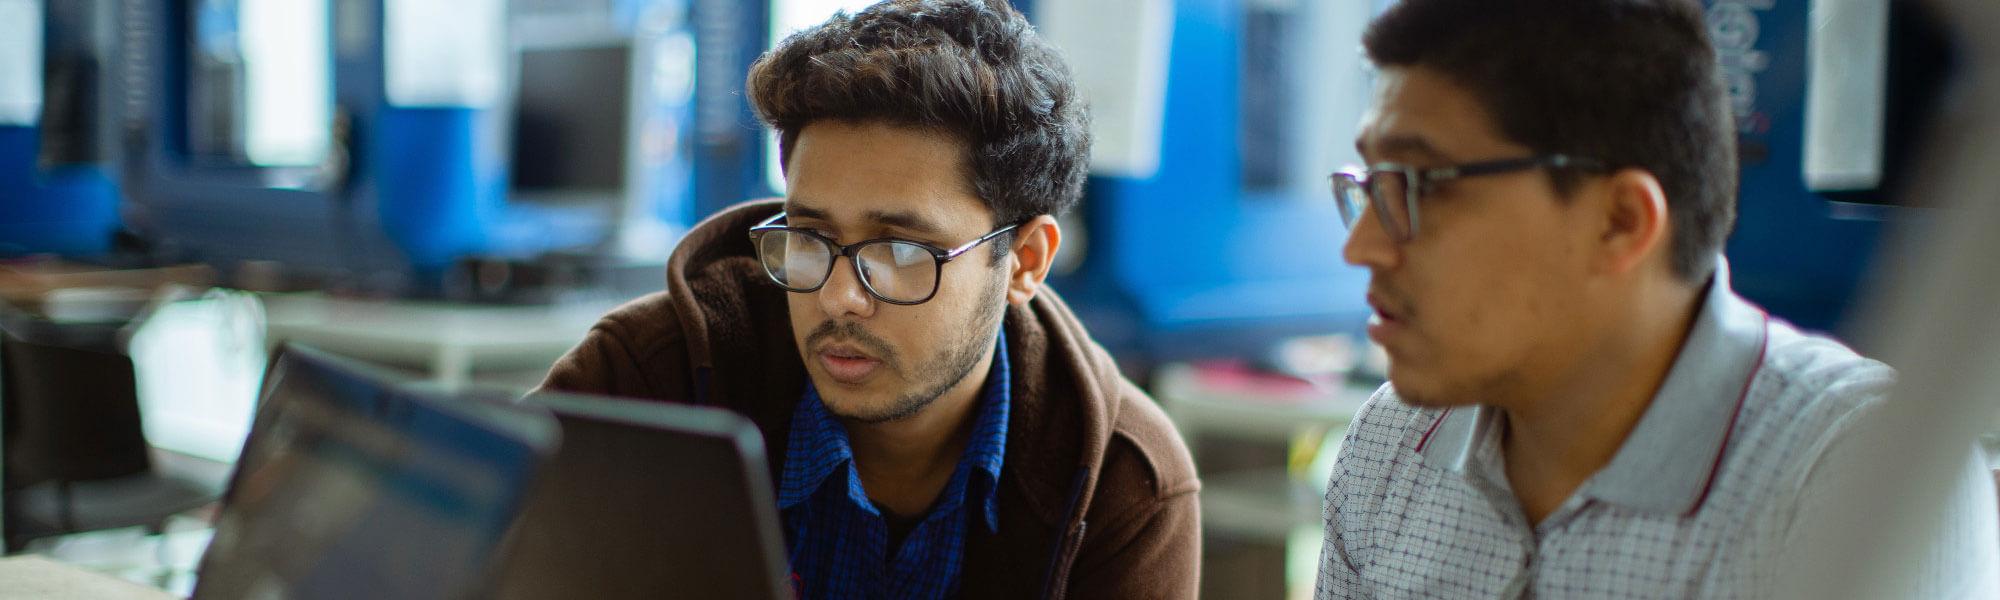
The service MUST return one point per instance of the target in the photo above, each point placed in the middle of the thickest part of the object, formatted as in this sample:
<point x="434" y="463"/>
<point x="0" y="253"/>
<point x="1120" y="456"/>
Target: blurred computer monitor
<point x="571" y="147"/>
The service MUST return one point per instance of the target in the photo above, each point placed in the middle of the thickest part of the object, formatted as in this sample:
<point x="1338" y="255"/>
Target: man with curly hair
<point x="939" y="422"/>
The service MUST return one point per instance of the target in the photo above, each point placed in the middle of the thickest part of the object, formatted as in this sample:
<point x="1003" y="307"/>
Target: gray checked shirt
<point x="1697" y="503"/>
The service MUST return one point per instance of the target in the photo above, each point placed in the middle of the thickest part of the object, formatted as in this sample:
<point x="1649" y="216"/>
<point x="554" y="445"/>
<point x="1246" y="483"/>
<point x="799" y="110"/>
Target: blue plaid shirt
<point x="837" y="538"/>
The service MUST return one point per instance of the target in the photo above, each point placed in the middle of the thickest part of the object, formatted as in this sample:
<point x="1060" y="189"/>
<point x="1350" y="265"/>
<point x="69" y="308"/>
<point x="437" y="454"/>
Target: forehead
<point x="873" y="175"/>
<point x="1420" y="116"/>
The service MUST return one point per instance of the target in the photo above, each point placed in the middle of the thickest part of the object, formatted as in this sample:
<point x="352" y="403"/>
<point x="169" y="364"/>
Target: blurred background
<point x="458" y="188"/>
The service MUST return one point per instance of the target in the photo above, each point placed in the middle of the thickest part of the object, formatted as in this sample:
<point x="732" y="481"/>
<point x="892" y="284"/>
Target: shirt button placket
<point x="1521" y="586"/>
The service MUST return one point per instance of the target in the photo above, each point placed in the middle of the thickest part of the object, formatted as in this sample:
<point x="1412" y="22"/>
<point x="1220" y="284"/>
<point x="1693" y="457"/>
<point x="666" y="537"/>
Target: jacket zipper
<point x="1068" y="543"/>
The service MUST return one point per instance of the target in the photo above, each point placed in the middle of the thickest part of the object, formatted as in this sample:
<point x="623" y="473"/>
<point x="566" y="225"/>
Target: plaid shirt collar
<point x="1668" y="462"/>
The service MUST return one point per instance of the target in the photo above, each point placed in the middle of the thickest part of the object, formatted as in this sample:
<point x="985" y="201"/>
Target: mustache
<point x="851" y="332"/>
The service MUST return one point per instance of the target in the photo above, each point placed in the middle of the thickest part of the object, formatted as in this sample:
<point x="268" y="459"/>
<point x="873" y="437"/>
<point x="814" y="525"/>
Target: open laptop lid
<point x="648" y="500"/>
<point x="349" y="487"/>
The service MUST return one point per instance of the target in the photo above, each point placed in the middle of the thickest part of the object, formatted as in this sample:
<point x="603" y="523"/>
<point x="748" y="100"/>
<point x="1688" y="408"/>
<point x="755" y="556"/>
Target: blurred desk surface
<point x="444" y="339"/>
<point x="1239" y="403"/>
<point x="1273" y="504"/>
<point x="34" y="577"/>
<point x="1225" y="402"/>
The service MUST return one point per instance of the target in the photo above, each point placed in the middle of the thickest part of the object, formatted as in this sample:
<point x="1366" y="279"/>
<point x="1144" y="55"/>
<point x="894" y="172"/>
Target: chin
<point x="1416" y="390"/>
<point x="864" y="408"/>
<point x="843" y="403"/>
<point x="1421" y="400"/>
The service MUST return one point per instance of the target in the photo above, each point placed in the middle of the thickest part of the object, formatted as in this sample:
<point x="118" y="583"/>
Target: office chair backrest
<point x="71" y="404"/>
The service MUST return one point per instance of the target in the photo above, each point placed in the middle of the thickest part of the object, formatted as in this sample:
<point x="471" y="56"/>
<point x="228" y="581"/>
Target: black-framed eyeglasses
<point x="1393" y="189"/>
<point x="892" y="270"/>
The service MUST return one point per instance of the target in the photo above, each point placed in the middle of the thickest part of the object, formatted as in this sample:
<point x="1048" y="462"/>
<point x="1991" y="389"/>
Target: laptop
<point x="647" y="500"/>
<point x="351" y="487"/>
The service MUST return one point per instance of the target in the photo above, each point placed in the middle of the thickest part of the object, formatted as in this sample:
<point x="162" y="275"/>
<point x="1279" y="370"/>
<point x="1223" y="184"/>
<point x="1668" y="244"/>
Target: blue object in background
<point x="1198" y="260"/>
<point x="438" y="190"/>
<point x="1815" y="202"/>
<point x="69" y="210"/>
<point x="1795" y="252"/>
<point x="56" y="194"/>
<point x="415" y="188"/>
<point x="195" y="201"/>
<point x="728" y="139"/>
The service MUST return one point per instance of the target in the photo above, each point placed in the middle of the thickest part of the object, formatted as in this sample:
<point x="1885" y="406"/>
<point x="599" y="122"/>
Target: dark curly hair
<point x="971" y="69"/>
<point x="1632" y="83"/>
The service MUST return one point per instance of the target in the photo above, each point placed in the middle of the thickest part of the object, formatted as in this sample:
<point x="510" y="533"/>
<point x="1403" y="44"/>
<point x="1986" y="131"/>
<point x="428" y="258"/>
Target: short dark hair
<point x="1631" y="83"/>
<point x="971" y="69"/>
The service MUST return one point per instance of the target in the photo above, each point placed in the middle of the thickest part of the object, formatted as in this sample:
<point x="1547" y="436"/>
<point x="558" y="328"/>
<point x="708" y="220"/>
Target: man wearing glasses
<point x="940" y="424"/>
<point x="1578" y="405"/>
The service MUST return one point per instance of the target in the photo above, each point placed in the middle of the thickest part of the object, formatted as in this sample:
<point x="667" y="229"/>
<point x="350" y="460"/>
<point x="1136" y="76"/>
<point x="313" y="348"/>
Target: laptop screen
<point x="350" y="488"/>
<point x="648" y="500"/>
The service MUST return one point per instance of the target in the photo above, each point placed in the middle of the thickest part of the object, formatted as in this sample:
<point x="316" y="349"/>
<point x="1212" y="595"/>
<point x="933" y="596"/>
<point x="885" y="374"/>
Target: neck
<point x="1556" y="441"/>
<point x="905" y="463"/>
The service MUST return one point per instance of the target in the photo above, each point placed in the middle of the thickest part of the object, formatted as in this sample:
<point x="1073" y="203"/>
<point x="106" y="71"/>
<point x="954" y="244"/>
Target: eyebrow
<point x="906" y="221"/>
<point x="807" y="212"/>
<point x="1408" y="144"/>
<point x="898" y="219"/>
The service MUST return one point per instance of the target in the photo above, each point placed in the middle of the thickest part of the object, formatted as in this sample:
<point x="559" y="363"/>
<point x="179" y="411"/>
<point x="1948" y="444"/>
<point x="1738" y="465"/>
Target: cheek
<point x="805" y="314"/>
<point x="962" y="305"/>
<point x="943" y="318"/>
<point x="1499" y="294"/>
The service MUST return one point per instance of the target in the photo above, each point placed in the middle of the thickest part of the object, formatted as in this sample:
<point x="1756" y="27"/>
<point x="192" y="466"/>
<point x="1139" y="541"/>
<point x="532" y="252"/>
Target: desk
<point x="1269" y="508"/>
<point x="37" y="578"/>
<point x="446" y="340"/>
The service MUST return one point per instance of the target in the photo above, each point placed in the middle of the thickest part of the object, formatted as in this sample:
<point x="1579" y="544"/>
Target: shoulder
<point x="1821" y="367"/>
<point x="1811" y="389"/>
<point x="648" y="326"/>
<point x="1145" y="459"/>
<point x="1810" y="393"/>
<point x="627" y="352"/>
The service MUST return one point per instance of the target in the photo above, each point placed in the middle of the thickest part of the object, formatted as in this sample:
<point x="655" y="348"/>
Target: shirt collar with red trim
<point x="1669" y="461"/>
